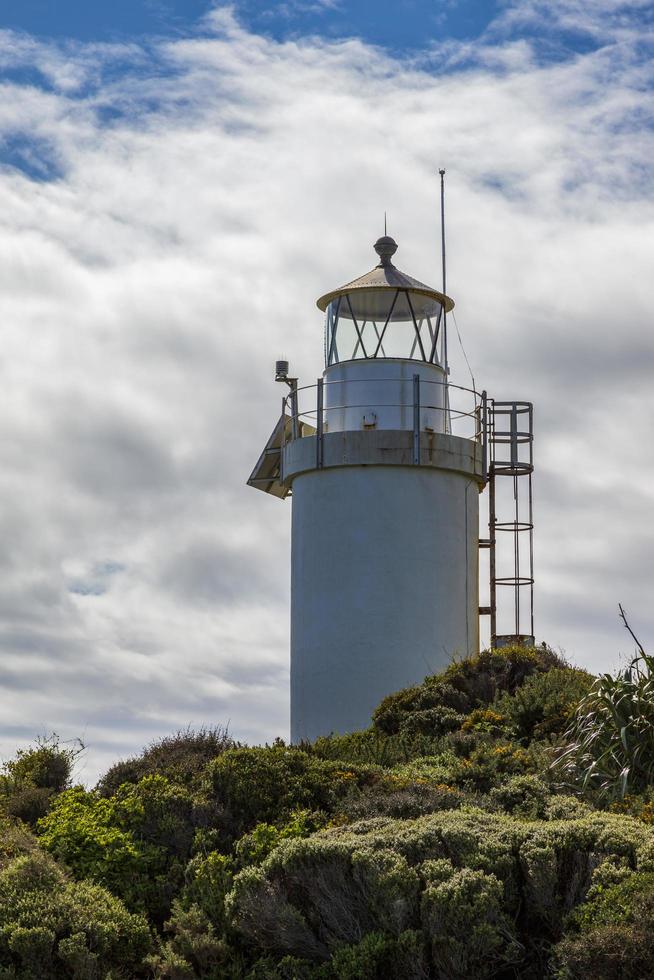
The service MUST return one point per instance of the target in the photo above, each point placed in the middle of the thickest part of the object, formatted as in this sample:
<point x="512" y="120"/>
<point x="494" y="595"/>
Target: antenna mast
<point x="444" y="270"/>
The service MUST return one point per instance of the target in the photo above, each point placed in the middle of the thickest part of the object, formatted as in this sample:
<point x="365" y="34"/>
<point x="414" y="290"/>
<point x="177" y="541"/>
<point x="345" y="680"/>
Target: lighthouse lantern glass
<point x="398" y="323"/>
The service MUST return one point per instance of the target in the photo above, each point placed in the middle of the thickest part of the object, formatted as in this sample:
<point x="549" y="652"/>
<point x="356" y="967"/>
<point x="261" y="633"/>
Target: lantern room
<point x="384" y="314"/>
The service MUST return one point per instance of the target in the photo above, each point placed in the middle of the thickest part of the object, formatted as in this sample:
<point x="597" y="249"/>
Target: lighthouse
<point x="384" y="459"/>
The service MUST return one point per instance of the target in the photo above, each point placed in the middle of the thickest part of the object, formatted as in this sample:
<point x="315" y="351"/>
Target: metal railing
<point x="463" y="410"/>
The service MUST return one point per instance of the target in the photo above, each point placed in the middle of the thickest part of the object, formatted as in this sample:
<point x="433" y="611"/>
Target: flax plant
<point x="610" y="739"/>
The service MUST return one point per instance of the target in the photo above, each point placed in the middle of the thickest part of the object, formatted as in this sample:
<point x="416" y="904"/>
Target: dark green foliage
<point x="640" y="805"/>
<point x="255" y="846"/>
<point x="30" y="780"/>
<point x="195" y="948"/>
<point x="463" y="916"/>
<point x="52" y="927"/>
<point x="611" y="952"/>
<point x="137" y="842"/>
<point x="476" y="766"/>
<point x="543" y="706"/>
<point x="289" y="968"/>
<point x="47" y="765"/>
<point x="440" y="703"/>
<point x="628" y="900"/>
<point x="265" y="785"/>
<point x="491" y="672"/>
<point x="379" y="956"/>
<point x="521" y="796"/>
<point x="29" y="804"/>
<point x="614" y="937"/>
<point x="484" y="890"/>
<point x="432" y="846"/>
<point x="374" y="747"/>
<point x="432" y="708"/>
<point x="401" y="798"/>
<point x="180" y="757"/>
<point x="207" y="881"/>
<point x="610" y="739"/>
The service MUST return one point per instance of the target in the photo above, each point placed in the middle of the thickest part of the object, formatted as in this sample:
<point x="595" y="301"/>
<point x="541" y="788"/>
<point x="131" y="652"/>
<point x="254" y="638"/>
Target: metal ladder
<point x="508" y="452"/>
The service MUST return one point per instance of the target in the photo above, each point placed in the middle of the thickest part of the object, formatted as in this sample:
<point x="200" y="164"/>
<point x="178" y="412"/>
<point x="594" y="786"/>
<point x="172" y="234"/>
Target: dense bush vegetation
<point x="53" y="926"/>
<point x="460" y="837"/>
<point x="610" y="750"/>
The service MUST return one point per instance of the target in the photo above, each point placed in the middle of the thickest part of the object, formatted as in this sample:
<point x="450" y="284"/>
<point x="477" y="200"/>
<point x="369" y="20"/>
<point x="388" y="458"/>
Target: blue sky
<point x="407" y="26"/>
<point x="103" y="21"/>
<point x="403" y="24"/>
<point x="177" y="186"/>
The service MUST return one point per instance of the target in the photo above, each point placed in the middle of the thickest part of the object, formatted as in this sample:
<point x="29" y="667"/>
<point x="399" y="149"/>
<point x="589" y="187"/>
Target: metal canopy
<point x="386" y="276"/>
<point x="267" y="475"/>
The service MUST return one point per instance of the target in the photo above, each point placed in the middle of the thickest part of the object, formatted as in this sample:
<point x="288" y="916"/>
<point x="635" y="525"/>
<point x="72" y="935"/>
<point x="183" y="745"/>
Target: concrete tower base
<point x="384" y="584"/>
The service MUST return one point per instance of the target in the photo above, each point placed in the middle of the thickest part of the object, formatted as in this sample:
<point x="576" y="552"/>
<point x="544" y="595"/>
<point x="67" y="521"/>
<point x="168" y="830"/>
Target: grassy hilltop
<point x="494" y="821"/>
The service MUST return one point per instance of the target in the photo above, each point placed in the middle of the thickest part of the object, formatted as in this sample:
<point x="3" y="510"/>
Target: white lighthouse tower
<point x="385" y="460"/>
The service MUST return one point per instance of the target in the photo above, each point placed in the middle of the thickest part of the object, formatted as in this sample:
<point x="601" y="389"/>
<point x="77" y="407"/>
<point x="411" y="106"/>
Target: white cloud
<point x="607" y="21"/>
<point x="209" y="192"/>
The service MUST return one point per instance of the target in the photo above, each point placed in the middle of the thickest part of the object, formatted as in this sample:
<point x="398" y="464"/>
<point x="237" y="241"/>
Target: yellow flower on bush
<point x="483" y="720"/>
<point x="343" y="775"/>
<point x="635" y="806"/>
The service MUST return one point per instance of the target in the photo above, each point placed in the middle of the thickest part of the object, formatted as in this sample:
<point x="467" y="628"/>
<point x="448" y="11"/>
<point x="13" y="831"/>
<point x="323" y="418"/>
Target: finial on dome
<point x="385" y="247"/>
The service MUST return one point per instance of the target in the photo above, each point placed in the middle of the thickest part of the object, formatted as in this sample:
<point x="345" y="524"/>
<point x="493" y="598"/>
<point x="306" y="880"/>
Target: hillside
<point x="494" y="821"/>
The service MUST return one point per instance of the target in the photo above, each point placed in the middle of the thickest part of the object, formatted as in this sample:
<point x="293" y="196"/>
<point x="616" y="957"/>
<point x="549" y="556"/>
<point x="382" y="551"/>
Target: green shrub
<point x="526" y="797"/>
<point x="610" y="739"/>
<point x="289" y="968"/>
<point x="402" y="799"/>
<point x="483" y="677"/>
<point x="639" y="805"/>
<point x="487" y="892"/>
<point x="612" y="933"/>
<point x="194" y="950"/>
<point x="486" y="720"/>
<point x="29" y="782"/>
<point x="380" y="957"/>
<point x="612" y="952"/>
<point x="440" y="703"/>
<point x="255" y="846"/>
<point x="430" y="708"/>
<point x="28" y="804"/>
<point x="541" y="708"/>
<point x="180" y="757"/>
<point x="487" y="765"/>
<point x="344" y="892"/>
<point x="373" y="746"/>
<point x="628" y="900"/>
<point x="167" y="964"/>
<point x="265" y="785"/>
<point x="208" y="878"/>
<point x="47" y="765"/>
<point x="136" y="843"/>
<point x="53" y="927"/>
<point x="15" y="841"/>
<point x="94" y="838"/>
<point x="470" y="934"/>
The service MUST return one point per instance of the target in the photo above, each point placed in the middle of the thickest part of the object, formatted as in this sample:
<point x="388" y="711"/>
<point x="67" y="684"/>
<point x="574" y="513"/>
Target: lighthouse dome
<point x="385" y="313"/>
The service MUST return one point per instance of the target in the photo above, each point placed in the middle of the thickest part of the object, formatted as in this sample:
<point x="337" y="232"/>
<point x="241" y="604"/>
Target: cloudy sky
<point x="178" y="183"/>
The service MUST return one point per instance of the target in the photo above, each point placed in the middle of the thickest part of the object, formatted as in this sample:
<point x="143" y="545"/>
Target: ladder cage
<point x="509" y="438"/>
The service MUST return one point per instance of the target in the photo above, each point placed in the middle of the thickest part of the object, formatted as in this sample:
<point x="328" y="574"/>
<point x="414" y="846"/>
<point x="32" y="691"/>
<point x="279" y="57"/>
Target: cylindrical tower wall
<point x="384" y="587"/>
<point x="379" y="394"/>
